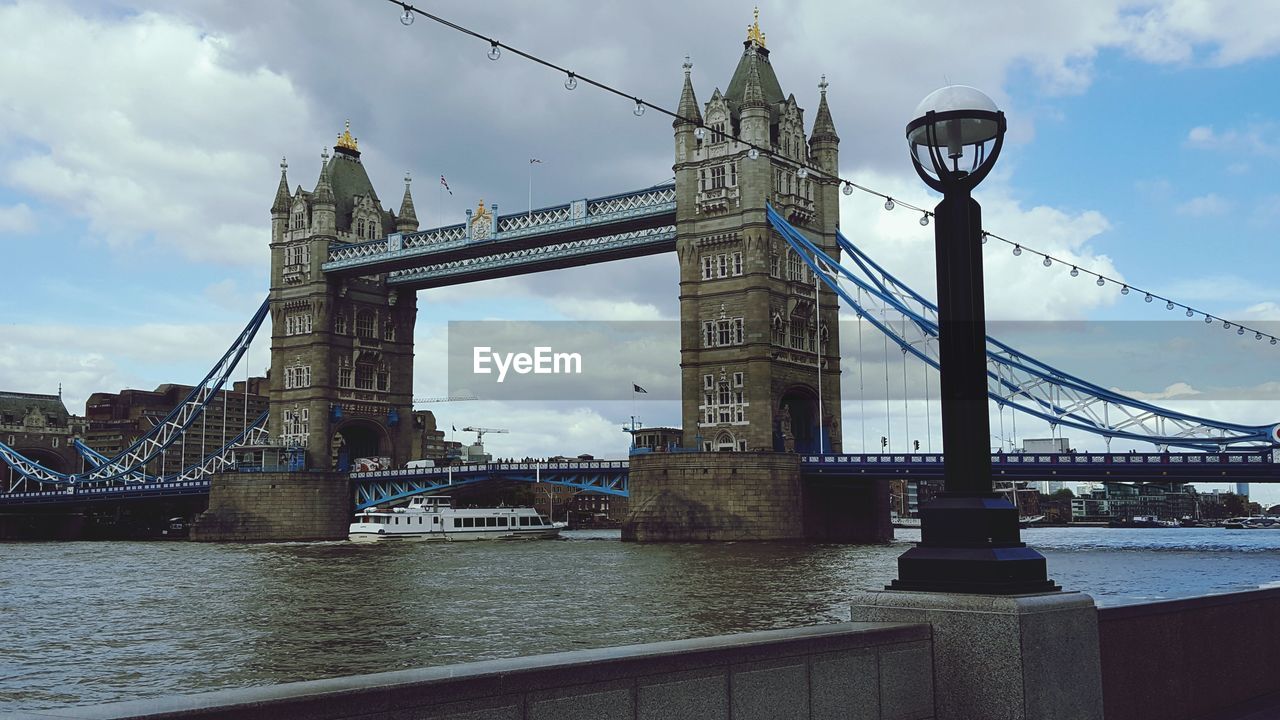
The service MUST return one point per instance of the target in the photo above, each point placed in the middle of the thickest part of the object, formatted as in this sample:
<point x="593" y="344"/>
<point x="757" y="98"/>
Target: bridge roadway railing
<point x="97" y="493"/>
<point x="1255" y="466"/>
<point x="579" y="219"/>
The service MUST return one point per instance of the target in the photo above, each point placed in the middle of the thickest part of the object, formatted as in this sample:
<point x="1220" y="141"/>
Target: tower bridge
<point x="753" y="236"/>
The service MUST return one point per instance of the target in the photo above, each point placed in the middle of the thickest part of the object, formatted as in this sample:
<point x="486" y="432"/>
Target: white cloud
<point x="139" y="125"/>
<point x="1176" y="390"/>
<point x="1256" y="138"/>
<point x="1016" y="287"/>
<point x="1204" y="206"/>
<point x="16" y="219"/>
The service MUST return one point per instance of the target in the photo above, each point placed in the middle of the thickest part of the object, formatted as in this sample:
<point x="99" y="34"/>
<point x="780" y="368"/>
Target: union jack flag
<point x="445" y="184"/>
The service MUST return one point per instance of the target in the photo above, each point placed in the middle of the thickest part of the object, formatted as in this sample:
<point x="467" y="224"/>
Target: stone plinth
<point x="264" y="507"/>
<point x="1012" y="657"/>
<point x="678" y="497"/>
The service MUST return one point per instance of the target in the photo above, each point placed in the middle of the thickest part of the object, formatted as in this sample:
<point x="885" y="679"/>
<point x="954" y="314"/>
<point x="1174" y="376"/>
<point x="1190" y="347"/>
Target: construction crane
<point x="480" y="431"/>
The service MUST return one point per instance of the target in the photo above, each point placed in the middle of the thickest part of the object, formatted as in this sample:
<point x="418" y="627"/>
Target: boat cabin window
<point x="468" y="522"/>
<point x="502" y="522"/>
<point x="491" y="522"/>
<point x="524" y="522"/>
<point x="435" y="521"/>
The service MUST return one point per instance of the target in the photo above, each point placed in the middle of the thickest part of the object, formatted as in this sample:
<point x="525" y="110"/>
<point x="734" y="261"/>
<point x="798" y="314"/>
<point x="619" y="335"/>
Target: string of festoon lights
<point x="803" y="171"/>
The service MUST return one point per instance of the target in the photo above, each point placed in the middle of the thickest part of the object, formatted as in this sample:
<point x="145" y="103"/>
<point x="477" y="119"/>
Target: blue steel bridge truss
<point x="603" y="477"/>
<point x="1015" y="379"/>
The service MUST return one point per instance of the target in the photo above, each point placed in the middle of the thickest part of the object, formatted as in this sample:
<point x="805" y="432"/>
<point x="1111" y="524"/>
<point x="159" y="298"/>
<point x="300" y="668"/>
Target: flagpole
<point x="530" y="216"/>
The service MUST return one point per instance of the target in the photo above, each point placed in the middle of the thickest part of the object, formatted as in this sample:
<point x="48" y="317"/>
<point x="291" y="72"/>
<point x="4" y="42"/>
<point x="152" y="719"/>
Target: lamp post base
<point x="970" y="544"/>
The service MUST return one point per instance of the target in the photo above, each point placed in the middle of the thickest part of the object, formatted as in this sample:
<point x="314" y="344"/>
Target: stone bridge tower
<point x="750" y="328"/>
<point x="341" y="349"/>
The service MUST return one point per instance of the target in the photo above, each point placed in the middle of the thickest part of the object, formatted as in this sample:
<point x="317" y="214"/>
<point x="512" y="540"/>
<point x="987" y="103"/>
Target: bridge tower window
<point x="364" y="324"/>
<point x="364" y="376"/>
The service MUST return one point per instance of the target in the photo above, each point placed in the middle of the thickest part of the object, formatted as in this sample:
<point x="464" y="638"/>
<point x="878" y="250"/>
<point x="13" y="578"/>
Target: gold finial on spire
<point x="480" y="211"/>
<point x="753" y="31"/>
<point x="345" y="141"/>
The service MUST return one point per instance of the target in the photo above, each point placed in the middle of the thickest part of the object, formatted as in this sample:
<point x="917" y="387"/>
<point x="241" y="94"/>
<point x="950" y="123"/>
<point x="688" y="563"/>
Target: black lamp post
<point x="969" y="534"/>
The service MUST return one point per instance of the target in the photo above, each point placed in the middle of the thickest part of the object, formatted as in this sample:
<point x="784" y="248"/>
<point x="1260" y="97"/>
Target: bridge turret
<point x="407" y="220"/>
<point x="755" y="108"/>
<point x="690" y="118"/>
<point x="824" y="144"/>
<point x="280" y="208"/>
<point x="324" y="209"/>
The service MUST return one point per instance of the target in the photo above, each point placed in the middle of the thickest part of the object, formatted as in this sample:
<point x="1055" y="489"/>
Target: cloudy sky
<point x="140" y="145"/>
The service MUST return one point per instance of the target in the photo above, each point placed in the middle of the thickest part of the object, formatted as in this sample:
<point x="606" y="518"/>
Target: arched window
<point x="360" y="227"/>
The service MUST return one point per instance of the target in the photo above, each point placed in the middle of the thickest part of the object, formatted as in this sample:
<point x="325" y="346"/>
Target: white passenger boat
<point x="435" y="518"/>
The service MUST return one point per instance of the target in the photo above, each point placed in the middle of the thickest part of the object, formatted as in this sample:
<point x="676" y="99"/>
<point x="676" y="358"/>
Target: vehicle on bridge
<point x="435" y="518"/>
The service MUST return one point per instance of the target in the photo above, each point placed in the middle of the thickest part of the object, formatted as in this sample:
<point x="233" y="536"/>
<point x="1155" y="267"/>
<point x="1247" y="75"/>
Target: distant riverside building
<point x="117" y="420"/>
<point x="41" y="429"/>
<point x="1167" y="501"/>
<point x="431" y="444"/>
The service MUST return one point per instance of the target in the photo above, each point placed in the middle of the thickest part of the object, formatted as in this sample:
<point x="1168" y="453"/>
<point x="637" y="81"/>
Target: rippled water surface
<point x="103" y="621"/>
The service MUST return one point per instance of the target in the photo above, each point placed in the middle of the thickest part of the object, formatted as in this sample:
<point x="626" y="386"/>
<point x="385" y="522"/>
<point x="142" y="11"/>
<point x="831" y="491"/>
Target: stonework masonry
<point x="714" y="496"/>
<point x="266" y="507"/>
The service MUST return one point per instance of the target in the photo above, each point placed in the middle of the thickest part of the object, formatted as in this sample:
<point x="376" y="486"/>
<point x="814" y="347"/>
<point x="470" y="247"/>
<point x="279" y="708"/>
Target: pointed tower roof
<point x="281" y="205"/>
<point x="823" y="127"/>
<point x="755" y="58"/>
<point x="688" y="102"/>
<point x="408" y="217"/>
<point x="323" y="194"/>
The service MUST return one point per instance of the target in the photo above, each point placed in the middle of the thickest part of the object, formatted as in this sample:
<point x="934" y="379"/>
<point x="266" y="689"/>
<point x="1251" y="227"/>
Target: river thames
<point x="92" y="622"/>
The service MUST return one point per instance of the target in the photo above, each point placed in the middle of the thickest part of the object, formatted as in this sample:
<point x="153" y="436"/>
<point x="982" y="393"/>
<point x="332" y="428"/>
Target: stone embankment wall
<point x="268" y="507"/>
<point x="1185" y="659"/>
<point x="859" y="670"/>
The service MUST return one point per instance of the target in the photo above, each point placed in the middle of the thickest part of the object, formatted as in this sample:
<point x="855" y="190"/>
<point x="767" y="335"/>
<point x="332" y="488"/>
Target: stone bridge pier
<point x="681" y="497"/>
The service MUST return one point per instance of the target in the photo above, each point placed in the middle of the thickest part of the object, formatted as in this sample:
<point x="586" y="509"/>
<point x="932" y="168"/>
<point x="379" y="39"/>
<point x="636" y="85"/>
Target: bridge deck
<point x="611" y="476"/>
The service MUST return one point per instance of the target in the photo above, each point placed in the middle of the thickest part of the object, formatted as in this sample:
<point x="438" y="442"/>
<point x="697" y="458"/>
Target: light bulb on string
<point x="888" y="204"/>
<point x="1226" y="325"/>
<point x="1191" y="313"/>
<point x="699" y="133"/>
<point x="924" y="219"/>
<point x="752" y="154"/>
<point x="1124" y="290"/>
<point x="1239" y="331"/>
<point x="1101" y="282"/>
<point x="802" y="173"/>
<point x="848" y="188"/>
<point x="1075" y="271"/>
<point x="1017" y="250"/>
<point x="1047" y="261"/>
<point x="1208" y="319"/>
<point x="1147" y="298"/>
<point x="639" y="108"/>
<point x="407" y="18"/>
<point x="571" y="83"/>
<point x="1257" y="336"/>
<point x="1274" y="341"/>
<point x="1168" y="305"/>
<point x="495" y="52"/>
<point x="984" y="237"/>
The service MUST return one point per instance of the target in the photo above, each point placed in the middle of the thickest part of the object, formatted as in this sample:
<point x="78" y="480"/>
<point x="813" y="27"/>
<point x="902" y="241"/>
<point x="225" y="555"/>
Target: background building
<point x="117" y="420"/>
